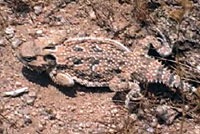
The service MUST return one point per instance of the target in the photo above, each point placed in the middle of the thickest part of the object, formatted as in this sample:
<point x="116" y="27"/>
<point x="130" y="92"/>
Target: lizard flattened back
<point x="90" y="62"/>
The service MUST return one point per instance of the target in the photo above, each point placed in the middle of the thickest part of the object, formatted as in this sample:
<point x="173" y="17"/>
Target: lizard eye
<point x="29" y="59"/>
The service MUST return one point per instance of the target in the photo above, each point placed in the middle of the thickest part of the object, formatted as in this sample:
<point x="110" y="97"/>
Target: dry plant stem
<point x="99" y="39"/>
<point x="16" y="92"/>
<point x="183" y="118"/>
<point x="6" y="119"/>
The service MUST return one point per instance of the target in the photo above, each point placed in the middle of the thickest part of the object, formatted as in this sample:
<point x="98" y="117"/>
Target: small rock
<point x="154" y="123"/>
<point x="161" y="110"/>
<point x="24" y="111"/>
<point x="82" y="93"/>
<point x="46" y="118"/>
<point x="2" y="2"/>
<point x="38" y="9"/>
<point x="18" y="84"/>
<point x="27" y="120"/>
<point x="71" y="108"/>
<point x="150" y="129"/>
<point x="32" y="94"/>
<point x="16" y="42"/>
<point x="33" y="113"/>
<point x="114" y="111"/>
<point x="43" y="122"/>
<point x="166" y="114"/>
<point x="92" y="15"/>
<point x="1" y="131"/>
<point x="61" y="4"/>
<point x="58" y="116"/>
<point x="10" y="31"/>
<point x="41" y="127"/>
<point x="61" y="123"/>
<point x="133" y="117"/>
<point x="62" y="20"/>
<point x="196" y="130"/>
<point x="55" y="130"/>
<point x="2" y="42"/>
<point x="52" y="116"/>
<point x="198" y="67"/>
<point x="187" y="108"/>
<point x="30" y="101"/>
<point x="39" y="32"/>
<point x="140" y="113"/>
<point x="20" y="123"/>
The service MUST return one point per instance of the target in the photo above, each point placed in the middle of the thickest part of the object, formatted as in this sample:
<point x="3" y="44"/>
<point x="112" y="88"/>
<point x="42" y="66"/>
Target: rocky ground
<point x="50" y="109"/>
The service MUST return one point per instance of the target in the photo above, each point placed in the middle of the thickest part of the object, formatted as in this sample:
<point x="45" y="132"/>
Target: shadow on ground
<point x="44" y="80"/>
<point x="154" y="92"/>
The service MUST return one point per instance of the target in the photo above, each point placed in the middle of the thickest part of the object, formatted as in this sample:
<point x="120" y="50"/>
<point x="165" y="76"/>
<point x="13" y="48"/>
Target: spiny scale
<point x="95" y="63"/>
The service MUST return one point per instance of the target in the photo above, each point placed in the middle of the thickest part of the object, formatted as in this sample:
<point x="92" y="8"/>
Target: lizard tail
<point x="156" y="72"/>
<point x="165" y="76"/>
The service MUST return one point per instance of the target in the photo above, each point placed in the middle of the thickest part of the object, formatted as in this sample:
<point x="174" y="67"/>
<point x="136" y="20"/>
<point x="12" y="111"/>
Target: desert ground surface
<point x="47" y="108"/>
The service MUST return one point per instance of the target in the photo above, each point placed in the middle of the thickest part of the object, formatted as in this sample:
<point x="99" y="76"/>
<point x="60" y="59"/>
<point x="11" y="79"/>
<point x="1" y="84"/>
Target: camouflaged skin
<point x="100" y="62"/>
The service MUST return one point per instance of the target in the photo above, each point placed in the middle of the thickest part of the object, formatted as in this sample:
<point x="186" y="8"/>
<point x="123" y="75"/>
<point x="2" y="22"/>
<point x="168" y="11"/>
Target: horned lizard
<point x="101" y="62"/>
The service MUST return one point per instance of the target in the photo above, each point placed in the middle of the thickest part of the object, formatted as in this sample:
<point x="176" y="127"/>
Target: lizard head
<point x="34" y="56"/>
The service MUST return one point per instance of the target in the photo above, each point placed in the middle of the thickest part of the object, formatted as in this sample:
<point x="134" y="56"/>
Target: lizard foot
<point x="122" y="82"/>
<point x="62" y="79"/>
<point x="133" y="95"/>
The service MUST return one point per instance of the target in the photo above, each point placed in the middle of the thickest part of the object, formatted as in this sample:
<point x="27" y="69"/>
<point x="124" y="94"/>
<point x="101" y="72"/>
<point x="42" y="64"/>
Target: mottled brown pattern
<point x="98" y="63"/>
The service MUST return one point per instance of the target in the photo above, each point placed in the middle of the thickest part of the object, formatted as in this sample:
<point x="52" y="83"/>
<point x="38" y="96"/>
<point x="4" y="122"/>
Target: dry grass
<point x="141" y="12"/>
<point x="3" y="22"/>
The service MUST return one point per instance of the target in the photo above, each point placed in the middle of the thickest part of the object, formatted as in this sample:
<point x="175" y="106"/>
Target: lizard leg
<point x="122" y="82"/>
<point x="133" y="95"/>
<point x="159" y="43"/>
<point x="63" y="79"/>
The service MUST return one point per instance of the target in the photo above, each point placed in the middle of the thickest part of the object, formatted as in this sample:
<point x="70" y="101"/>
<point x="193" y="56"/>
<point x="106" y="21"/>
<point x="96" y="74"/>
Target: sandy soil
<point x="51" y="109"/>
